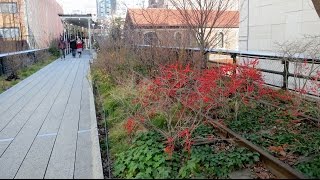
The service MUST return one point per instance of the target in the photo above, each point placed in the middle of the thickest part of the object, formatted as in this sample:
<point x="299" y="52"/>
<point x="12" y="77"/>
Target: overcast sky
<point x="85" y="6"/>
<point x="89" y="6"/>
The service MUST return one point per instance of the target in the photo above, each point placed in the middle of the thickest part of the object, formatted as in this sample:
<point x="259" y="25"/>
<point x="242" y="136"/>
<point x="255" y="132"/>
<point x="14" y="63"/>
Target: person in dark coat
<point x="73" y="47"/>
<point x="62" y="46"/>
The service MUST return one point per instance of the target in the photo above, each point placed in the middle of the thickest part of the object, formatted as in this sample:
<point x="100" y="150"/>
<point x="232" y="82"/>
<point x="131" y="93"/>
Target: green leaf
<point x="149" y="156"/>
<point x="148" y="171"/>
<point x="256" y="158"/>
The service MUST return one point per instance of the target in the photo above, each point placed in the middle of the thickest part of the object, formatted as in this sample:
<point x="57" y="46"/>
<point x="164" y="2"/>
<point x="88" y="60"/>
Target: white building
<point x="264" y="23"/>
<point x="267" y="25"/>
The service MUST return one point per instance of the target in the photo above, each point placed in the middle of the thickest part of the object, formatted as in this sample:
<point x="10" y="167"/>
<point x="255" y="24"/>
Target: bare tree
<point x="203" y="17"/>
<point x="155" y="27"/>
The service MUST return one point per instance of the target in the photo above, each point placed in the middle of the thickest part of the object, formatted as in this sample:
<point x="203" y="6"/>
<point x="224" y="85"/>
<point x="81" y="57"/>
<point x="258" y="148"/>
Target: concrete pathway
<point x="48" y="125"/>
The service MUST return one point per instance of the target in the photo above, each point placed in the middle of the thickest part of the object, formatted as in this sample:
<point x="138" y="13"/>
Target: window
<point x="221" y="40"/>
<point x="9" y="32"/>
<point x="6" y="7"/>
<point x="150" y="38"/>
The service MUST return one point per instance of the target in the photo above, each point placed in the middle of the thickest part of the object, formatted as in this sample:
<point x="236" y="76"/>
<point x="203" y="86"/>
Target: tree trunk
<point x="204" y="59"/>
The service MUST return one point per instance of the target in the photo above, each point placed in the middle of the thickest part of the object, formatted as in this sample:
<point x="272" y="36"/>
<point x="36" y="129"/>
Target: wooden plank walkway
<point x="48" y="125"/>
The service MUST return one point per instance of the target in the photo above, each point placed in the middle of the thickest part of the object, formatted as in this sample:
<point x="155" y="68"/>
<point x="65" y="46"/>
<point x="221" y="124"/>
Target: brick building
<point x="167" y="27"/>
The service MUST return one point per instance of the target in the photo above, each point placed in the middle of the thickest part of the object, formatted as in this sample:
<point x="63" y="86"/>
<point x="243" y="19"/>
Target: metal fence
<point x="15" y="60"/>
<point x="277" y="70"/>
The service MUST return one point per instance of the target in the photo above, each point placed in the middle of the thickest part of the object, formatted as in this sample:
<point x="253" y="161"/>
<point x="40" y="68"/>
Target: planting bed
<point x="143" y="155"/>
<point x="146" y="159"/>
<point x="165" y="126"/>
<point x="293" y="140"/>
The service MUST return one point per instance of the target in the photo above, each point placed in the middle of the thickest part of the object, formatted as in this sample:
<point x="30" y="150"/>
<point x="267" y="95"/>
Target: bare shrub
<point x="303" y="58"/>
<point x="203" y="17"/>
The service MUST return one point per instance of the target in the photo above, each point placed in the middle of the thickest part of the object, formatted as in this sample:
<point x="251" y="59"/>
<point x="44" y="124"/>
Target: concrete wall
<point x="44" y="22"/>
<point x="264" y="23"/>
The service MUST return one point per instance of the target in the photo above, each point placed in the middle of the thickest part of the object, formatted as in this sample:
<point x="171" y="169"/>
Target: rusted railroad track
<point x="278" y="168"/>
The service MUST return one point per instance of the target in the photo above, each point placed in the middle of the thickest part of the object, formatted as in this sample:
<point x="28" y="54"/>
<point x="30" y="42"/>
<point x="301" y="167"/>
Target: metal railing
<point x="30" y="53"/>
<point x="267" y="56"/>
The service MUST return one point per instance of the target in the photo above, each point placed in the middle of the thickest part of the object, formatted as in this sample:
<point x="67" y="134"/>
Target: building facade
<point x="232" y="4"/>
<point x="29" y="24"/>
<point x="166" y="27"/>
<point x="157" y="4"/>
<point x="105" y="8"/>
<point x="264" y="24"/>
<point x="279" y="26"/>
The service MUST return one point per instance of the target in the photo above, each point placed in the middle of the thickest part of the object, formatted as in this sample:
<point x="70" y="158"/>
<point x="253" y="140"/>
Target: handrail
<point x="2" y="57"/>
<point x="285" y="60"/>
<point x="21" y="52"/>
<point x="241" y="53"/>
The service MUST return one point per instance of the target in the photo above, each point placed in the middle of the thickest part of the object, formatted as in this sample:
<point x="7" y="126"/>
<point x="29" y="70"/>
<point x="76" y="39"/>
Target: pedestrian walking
<point x="79" y="45"/>
<point x="73" y="46"/>
<point x="62" y="46"/>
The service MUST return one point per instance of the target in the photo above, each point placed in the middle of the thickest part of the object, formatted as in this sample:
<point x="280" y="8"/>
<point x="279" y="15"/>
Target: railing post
<point x="189" y="55"/>
<point x="234" y="61"/>
<point x="285" y="74"/>
<point x="234" y="58"/>
<point x="1" y="67"/>
<point x="176" y="53"/>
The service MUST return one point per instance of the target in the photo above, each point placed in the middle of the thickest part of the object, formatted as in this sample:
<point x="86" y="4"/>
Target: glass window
<point x="9" y="32"/>
<point x="221" y="40"/>
<point x="6" y="7"/>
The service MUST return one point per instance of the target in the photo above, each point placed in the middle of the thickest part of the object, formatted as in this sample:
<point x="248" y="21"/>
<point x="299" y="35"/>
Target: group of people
<point x="76" y="46"/>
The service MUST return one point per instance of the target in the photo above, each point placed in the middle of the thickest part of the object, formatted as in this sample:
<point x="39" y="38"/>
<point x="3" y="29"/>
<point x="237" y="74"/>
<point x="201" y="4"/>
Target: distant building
<point x="29" y="24"/>
<point x="157" y="4"/>
<point x="166" y="27"/>
<point x="105" y="8"/>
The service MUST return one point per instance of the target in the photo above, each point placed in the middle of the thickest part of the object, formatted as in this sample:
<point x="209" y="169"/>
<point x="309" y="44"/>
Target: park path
<point x="48" y="125"/>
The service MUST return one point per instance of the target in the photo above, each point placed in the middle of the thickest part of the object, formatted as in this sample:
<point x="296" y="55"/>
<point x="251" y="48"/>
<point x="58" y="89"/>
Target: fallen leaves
<point x="262" y="172"/>
<point x="279" y="149"/>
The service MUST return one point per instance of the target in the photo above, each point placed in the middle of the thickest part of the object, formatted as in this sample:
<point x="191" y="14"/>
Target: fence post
<point x="2" y="72"/>
<point x="285" y="74"/>
<point x="189" y="55"/>
<point x="176" y="51"/>
<point x="234" y="58"/>
<point x="234" y="61"/>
